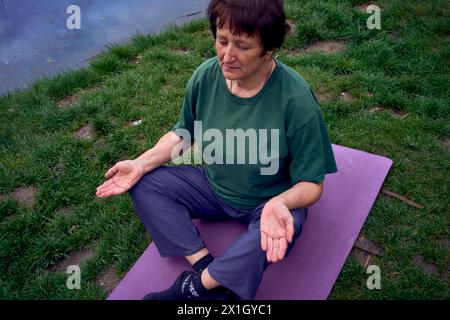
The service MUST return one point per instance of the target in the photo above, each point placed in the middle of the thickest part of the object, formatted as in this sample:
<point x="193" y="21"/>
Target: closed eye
<point x="242" y="47"/>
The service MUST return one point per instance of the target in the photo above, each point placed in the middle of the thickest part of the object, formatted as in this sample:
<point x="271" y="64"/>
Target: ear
<point x="269" y="54"/>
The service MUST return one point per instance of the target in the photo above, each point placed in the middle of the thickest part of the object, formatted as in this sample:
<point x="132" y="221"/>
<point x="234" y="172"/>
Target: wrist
<point x="280" y="199"/>
<point x="143" y="164"/>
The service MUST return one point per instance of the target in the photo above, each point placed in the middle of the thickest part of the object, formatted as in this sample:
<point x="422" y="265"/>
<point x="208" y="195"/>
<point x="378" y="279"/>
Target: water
<point x="35" y="40"/>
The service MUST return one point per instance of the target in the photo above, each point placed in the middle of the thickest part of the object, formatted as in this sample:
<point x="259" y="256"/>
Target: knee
<point x="148" y="184"/>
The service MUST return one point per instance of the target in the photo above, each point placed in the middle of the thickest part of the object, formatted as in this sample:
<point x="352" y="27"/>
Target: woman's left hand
<point x="277" y="229"/>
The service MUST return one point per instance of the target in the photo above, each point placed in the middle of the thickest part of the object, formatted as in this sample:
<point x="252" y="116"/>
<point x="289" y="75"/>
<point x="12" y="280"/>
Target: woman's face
<point x="239" y="56"/>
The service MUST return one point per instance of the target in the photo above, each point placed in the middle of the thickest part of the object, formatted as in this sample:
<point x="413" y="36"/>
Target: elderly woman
<point x="244" y="91"/>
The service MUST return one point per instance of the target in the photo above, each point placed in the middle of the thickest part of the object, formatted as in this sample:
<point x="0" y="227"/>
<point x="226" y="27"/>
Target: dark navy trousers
<point x="168" y="198"/>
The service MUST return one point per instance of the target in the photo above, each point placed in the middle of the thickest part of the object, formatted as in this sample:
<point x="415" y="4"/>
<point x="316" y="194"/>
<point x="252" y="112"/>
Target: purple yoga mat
<point x="317" y="258"/>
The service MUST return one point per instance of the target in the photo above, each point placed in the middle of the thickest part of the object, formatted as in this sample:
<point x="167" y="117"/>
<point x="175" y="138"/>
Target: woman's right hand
<point x="121" y="177"/>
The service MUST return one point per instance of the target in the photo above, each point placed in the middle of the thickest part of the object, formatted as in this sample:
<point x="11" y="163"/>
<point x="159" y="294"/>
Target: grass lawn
<point x="383" y="91"/>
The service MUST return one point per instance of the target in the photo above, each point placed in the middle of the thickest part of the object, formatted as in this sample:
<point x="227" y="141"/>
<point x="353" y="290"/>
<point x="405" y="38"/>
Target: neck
<point x="257" y="80"/>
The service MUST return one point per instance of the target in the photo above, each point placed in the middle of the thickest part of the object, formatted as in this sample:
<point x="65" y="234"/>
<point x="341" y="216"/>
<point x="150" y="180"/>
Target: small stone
<point x="85" y="133"/>
<point x="346" y="97"/>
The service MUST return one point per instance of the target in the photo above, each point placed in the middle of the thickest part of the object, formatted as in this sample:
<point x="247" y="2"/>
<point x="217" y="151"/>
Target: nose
<point x="229" y="54"/>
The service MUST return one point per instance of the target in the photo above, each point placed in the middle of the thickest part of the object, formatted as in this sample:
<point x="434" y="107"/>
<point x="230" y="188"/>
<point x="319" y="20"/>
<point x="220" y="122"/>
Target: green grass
<point x="402" y="68"/>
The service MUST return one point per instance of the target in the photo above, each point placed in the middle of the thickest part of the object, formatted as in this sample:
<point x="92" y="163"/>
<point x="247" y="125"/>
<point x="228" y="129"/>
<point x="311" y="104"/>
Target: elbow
<point x="317" y="193"/>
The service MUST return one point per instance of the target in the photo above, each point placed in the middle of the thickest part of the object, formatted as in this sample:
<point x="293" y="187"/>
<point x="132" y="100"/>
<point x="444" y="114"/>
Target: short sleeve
<point x="188" y="114"/>
<point x="311" y="152"/>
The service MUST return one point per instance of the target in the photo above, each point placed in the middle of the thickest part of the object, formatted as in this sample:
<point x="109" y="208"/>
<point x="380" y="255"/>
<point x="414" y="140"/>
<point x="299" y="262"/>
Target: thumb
<point x="290" y="230"/>
<point x="289" y="225"/>
<point x="111" y="172"/>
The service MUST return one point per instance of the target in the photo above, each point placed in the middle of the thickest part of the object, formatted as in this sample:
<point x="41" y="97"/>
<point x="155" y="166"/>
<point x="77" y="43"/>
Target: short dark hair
<point x="263" y="18"/>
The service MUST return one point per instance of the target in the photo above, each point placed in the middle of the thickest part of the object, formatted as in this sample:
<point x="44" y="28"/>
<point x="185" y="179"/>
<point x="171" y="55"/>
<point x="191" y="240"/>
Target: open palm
<point x="277" y="230"/>
<point x="121" y="177"/>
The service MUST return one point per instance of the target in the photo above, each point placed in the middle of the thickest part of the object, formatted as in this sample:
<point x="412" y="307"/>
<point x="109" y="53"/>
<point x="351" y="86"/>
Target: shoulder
<point x="301" y="103"/>
<point x="291" y="74"/>
<point x="293" y="84"/>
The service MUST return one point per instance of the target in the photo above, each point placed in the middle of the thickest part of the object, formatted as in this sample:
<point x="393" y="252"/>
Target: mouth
<point x="231" y="68"/>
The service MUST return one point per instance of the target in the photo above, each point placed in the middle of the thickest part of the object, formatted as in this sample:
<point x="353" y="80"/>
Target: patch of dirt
<point x="73" y="99"/>
<point x="400" y="114"/>
<point x="444" y="243"/>
<point x="293" y="26"/>
<point x="11" y="217"/>
<point x="143" y="139"/>
<point x="108" y="280"/>
<point x="446" y="143"/>
<point x="25" y="196"/>
<point x="99" y="144"/>
<point x="446" y="277"/>
<point x="375" y="109"/>
<point x="391" y="265"/>
<point x="346" y="97"/>
<point x="394" y="35"/>
<point x="181" y="51"/>
<point x="68" y="101"/>
<point x="85" y="133"/>
<point x="66" y="211"/>
<point x="58" y="168"/>
<point x="136" y="60"/>
<point x="429" y="268"/>
<point x="324" y="96"/>
<point x="74" y="258"/>
<point x="328" y="47"/>
<point x="166" y="88"/>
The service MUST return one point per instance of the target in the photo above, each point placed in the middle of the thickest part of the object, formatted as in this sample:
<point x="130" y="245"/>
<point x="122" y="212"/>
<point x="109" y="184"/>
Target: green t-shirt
<point x="256" y="148"/>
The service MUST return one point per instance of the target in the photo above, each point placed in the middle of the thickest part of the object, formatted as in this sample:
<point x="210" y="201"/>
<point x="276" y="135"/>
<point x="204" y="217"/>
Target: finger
<point x="290" y="230"/>
<point x="105" y="184"/>
<point x="111" y="185"/>
<point x="103" y="191"/>
<point x="282" y="249"/>
<point x="112" y="171"/>
<point x="263" y="241"/>
<point x="269" y="249"/>
<point x="276" y="247"/>
<point x="108" y="194"/>
<point x="110" y="190"/>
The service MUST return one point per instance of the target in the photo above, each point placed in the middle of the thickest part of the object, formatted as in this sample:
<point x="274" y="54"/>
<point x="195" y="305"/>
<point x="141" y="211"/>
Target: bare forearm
<point x="301" y="195"/>
<point x="160" y="153"/>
